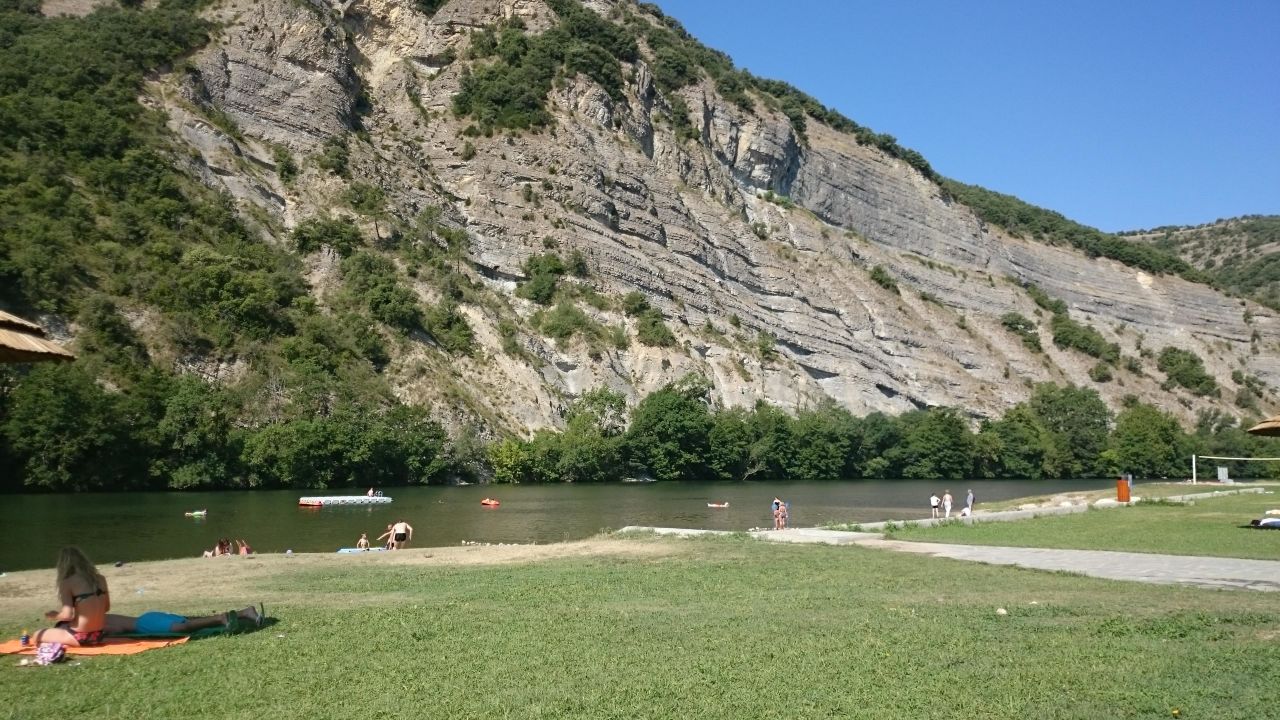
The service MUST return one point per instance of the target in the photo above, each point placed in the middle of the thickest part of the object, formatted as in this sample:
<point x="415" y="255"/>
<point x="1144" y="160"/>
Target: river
<point x="129" y="527"/>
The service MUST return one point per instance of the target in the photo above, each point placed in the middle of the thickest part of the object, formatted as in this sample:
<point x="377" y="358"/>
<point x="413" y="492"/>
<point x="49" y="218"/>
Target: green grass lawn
<point x="1209" y="527"/>
<point x="715" y="628"/>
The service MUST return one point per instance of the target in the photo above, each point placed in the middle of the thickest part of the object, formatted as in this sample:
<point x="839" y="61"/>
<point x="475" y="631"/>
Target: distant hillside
<point x="1240" y="255"/>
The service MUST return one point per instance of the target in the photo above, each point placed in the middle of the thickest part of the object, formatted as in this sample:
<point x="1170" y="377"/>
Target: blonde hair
<point x="72" y="561"/>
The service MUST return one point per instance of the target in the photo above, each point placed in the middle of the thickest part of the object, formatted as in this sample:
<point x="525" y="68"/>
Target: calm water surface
<point x="151" y="526"/>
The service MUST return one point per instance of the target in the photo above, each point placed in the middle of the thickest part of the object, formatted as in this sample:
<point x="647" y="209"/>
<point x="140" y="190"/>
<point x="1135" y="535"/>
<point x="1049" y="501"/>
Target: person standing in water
<point x="363" y="542"/>
<point x="779" y="514"/>
<point x="401" y="534"/>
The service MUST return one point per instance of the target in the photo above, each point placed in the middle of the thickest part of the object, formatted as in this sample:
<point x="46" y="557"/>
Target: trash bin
<point x="1122" y="490"/>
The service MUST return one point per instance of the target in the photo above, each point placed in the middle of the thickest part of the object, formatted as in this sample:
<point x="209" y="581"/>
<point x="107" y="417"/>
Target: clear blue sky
<point x="1120" y="114"/>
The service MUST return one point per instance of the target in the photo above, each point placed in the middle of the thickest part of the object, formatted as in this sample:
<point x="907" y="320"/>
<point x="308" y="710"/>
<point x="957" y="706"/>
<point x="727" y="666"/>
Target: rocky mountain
<point x="792" y="256"/>
<point x="1241" y="255"/>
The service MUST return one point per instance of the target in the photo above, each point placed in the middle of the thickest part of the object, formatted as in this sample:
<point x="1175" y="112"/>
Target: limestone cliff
<point x="746" y="231"/>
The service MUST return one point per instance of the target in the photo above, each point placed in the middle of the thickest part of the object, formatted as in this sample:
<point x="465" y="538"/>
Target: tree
<point x="821" y="440"/>
<point x="68" y="431"/>
<point x="368" y="200"/>
<point x="936" y="443"/>
<point x="1022" y="445"/>
<point x="727" y="444"/>
<point x="670" y="430"/>
<point x="1077" y="422"/>
<point x="196" y="445"/>
<point x="1147" y="442"/>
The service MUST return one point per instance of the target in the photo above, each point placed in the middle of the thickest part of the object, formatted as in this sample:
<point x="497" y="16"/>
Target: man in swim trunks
<point x="401" y="534"/>
<point x="363" y="542"/>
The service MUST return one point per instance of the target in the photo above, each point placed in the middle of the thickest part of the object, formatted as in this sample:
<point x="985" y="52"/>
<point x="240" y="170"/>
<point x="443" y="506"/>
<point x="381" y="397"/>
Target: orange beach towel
<point x="109" y="646"/>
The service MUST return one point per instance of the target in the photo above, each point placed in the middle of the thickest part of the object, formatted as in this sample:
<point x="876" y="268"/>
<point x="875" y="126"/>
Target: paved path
<point x="1209" y="572"/>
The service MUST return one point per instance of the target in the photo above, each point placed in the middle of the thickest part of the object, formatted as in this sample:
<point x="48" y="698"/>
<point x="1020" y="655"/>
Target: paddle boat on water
<point x="490" y="502"/>
<point x="718" y="505"/>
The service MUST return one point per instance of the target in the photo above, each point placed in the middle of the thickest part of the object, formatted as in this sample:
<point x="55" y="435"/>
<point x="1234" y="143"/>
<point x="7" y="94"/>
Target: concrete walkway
<point x="1207" y="572"/>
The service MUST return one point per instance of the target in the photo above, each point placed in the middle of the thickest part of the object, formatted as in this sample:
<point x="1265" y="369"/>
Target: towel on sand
<point x="109" y="646"/>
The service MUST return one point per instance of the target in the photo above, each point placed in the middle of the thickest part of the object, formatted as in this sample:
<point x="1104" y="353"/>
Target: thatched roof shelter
<point x="1270" y="427"/>
<point x="23" y="342"/>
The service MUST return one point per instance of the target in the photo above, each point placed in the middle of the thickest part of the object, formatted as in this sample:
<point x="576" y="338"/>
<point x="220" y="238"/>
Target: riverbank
<point x="662" y="628"/>
<point x="1199" y="524"/>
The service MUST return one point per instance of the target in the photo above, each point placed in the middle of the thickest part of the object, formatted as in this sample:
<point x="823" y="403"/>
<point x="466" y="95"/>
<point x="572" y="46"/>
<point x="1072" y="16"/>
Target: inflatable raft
<point x="361" y="550"/>
<point x="333" y="500"/>
<point x="490" y="502"/>
<point x="196" y="513"/>
<point x="718" y="505"/>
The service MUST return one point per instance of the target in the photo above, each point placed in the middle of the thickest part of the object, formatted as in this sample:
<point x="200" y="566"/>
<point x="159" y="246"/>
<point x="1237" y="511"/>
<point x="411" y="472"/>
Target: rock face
<point x="746" y="239"/>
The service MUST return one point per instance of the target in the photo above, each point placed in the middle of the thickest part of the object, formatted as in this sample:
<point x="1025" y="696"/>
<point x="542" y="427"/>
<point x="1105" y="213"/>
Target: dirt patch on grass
<point x="181" y="585"/>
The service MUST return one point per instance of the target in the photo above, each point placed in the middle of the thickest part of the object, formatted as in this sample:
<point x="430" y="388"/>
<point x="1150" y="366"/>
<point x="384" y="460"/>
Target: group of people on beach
<point x="223" y="547"/>
<point x="84" y="616"/>
<point x="940" y="507"/>
<point x="396" y="537"/>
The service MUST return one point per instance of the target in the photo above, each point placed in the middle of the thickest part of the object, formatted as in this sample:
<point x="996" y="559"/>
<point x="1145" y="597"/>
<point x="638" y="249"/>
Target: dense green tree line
<point x="676" y="434"/>
<point x="62" y="430"/>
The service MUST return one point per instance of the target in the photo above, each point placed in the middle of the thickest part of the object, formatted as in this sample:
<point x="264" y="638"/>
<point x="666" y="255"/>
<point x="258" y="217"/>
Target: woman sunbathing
<point x="162" y="623"/>
<point x="85" y="600"/>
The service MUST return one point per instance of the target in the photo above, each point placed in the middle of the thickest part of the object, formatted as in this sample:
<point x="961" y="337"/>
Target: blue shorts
<point x="157" y="623"/>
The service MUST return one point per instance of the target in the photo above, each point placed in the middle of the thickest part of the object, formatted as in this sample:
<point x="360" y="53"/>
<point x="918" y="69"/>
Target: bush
<point x="341" y="234"/>
<point x="653" y="331"/>
<point x="286" y="168"/>
<point x="1186" y="369"/>
<point x="1100" y="373"/>
<point x="1068" y="333"/>
<point x="450" y="329"/>
<point x="544" y="273"/>
<point x="1042" y="299"/>
<point x="634" y="303"/>
<point x="334" y="156"/>
<point x="766" y="345"/>
<point x="882" y="278"/>
<point x="373" y="280"/>
<point x="1024" y="328"/>
<point x="564" y="321"/>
